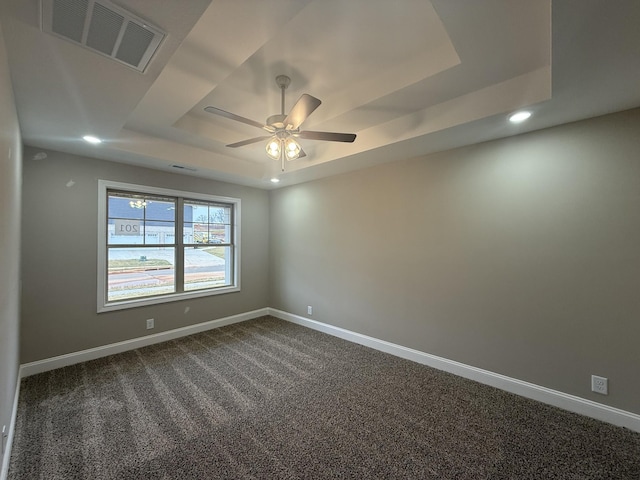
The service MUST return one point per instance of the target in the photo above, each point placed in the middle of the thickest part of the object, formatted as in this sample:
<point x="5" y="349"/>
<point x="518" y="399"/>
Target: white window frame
<point x="103" y="304"/>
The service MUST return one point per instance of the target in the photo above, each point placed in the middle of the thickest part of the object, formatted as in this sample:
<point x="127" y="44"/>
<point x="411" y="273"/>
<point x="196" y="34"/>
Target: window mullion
<point x="179" y="272"/>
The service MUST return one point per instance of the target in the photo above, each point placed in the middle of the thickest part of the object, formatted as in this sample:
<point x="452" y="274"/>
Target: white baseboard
<point x="47" y="364"/>
<point x="4" y="472"/>
<point x="556" y="398"/>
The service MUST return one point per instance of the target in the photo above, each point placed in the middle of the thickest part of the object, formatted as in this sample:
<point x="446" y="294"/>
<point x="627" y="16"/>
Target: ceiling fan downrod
<point x="283" y="82"/>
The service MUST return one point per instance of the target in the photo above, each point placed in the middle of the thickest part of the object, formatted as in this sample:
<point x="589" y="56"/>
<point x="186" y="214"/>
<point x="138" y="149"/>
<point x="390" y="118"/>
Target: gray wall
<point x="10" y="186"/>
<point x="60" y="257"/>
<point x="519" y="256"/>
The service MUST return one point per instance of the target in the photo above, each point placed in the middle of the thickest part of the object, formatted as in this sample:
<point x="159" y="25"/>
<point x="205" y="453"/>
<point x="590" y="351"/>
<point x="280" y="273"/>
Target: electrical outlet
<point x="150" y="323"/>
<point x="310" y="310"/>
<point x="599" y="385"/>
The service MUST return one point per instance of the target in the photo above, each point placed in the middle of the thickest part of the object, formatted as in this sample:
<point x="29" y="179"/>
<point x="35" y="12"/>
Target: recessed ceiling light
<point x="275" y="180"/>
<point x="519" y="117"/>
<point x="91" y="139"/>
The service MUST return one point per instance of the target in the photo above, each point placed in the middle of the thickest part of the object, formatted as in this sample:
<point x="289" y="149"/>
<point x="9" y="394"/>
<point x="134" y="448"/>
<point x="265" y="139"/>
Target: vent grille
<point x="104" y="28"/>
<point x="182" y="167"/>
<point x="68" y="18"/>
<point x="134" y="44"/>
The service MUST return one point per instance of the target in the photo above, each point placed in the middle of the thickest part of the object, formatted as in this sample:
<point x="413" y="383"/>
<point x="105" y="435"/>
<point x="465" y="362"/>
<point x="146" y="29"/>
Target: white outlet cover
<point x="599" y="385"/>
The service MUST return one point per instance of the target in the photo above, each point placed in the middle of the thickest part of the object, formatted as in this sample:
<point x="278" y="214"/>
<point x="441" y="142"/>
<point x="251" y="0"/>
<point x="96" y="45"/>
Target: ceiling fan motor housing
<point x="276" y="121"/>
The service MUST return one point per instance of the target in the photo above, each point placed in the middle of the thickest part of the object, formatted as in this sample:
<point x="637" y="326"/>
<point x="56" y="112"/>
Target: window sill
<point x="173" y="297"/>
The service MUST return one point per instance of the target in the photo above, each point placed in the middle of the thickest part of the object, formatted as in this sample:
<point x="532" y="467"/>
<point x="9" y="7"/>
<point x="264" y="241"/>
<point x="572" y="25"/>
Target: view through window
<point x="160" y="245"/>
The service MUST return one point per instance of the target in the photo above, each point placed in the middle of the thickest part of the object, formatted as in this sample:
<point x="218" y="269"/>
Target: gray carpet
<point x="267" y="399"/>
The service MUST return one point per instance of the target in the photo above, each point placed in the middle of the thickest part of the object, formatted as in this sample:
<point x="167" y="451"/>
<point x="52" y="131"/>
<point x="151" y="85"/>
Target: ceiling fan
<point x="284" y="129"/>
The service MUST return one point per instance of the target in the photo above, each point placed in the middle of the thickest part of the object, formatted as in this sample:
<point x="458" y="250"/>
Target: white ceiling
<point x="409" y="77"/>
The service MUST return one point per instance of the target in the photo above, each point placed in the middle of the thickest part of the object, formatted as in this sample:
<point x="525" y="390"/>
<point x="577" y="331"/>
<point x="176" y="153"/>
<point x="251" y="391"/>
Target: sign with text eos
<point x="127" y="227"/>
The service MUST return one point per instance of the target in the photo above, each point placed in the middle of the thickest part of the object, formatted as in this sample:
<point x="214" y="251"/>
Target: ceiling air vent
<point x="182" y="167"/>
<point x="104" y="28"/>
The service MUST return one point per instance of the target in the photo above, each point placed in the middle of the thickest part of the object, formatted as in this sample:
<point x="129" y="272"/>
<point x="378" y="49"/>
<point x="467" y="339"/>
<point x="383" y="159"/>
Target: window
<point x="157" y="245"/>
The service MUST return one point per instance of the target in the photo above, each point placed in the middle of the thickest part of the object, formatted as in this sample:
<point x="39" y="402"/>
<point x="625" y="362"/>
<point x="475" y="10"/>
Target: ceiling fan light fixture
<point x="138" y="204"/>
<point x="274" y="149"/>
<point x="292" y="148"/>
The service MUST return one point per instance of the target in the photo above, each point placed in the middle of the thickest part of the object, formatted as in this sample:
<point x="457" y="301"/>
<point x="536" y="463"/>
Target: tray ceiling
<point x="409" y="77"/>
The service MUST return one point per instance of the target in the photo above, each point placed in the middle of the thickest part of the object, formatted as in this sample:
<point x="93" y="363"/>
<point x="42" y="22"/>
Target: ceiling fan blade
<point x="233" y="116"/>
<point x="305" y="105"/>
<point x="302" y="154"/>
<point x="248" y="142"/>
<point x="330" y="136"/>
